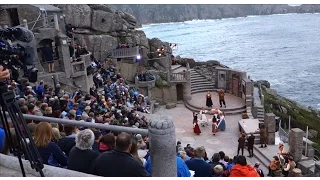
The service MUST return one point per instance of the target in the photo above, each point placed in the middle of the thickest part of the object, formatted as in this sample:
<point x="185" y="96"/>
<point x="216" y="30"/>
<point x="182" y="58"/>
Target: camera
<point x="15" y="56"/>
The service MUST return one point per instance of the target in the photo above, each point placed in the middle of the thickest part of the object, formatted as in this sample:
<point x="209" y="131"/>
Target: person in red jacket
<point x="242" y="169"/>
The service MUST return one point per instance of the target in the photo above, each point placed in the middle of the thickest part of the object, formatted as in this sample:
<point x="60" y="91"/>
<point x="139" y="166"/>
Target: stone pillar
<point x="296" y="143"/>
<point x="187" y="87"/>
<point x="44" y="20"/>
<point x="162" y="146"/>
<point x="317" y="169"/>
<point x="270" y="123"/>
<point x="25" y="23"/>
<point x="296" y="172"/>
<point x="64" y="49"/>
<point x="56" y="22"/>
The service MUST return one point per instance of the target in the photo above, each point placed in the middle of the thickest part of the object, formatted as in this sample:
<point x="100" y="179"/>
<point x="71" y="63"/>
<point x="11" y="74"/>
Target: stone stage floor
<point x="223" y="141"/>
<point x="199" y="100"/>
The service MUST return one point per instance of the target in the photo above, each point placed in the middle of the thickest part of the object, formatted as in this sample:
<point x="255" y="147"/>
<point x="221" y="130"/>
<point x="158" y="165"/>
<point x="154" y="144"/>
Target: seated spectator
<point x="107" y="142"/>
<point x="97" y="137"/>
<point x="288" y="167"/>
<point x="197" y="164"/>
<point x="81" y="155"/>
<point x="2" y="139"/>
<point x="259" y="171"/>
<point x="215" y="161"/>
<point x="66" y="143"/>
<point x="141" y="144"/>
<point x="242" y="169"/>
<point x="32" y="128"/>
<point x="218" y="171"/>
<point x="134" y="152"/>
<point x="49" y="151"/>
<point x="119" y="162"/>
<point x="56" y="135"/>
<point x="274" y="166"/>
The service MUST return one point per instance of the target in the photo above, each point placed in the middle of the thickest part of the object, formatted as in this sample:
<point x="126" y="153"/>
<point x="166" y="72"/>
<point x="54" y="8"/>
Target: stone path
<point x="223" y="141"/>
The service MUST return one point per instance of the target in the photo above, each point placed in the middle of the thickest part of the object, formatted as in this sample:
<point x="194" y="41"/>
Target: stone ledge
<point x="12" y="164"/>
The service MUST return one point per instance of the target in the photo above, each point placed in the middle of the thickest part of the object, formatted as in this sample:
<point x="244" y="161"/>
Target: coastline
<point x="213" y="19"/>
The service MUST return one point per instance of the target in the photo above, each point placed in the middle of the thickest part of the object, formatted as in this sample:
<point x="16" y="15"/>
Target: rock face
<point x="101" y="28"/>
<point x="176" y="13"/>
<point x="101" y="18"/>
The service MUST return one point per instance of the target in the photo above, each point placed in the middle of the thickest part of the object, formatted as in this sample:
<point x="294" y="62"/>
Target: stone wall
<point x="128" y="70"/>
<point x="162" y="95"/>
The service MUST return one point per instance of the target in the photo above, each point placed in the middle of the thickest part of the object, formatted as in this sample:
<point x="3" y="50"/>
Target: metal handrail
<point x="87" y="124"/>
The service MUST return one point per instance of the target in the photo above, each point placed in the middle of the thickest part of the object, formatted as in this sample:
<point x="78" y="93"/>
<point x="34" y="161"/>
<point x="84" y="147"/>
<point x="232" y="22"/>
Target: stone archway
<point x="179" y="88"/>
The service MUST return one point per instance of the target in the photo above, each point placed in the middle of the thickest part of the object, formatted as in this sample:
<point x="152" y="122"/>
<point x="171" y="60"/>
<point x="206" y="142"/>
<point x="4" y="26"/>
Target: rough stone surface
<point x="270" y="122"/>
<point x="78" y="14"/>
<point x="272" y="92"/>
<point x="171" y="105"/>
<point x="264" y="83"/>
<point x="108" y="22"/>
<point x="296" y="143"/>
<point x="162" y="146"/>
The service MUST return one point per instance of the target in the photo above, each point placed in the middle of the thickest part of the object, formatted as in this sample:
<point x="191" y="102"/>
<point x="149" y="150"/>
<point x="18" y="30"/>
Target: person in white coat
<point x="203" y="121"/>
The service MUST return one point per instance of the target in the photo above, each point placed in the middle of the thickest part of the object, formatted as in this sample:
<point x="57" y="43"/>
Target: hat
<point x="139" y="137"/>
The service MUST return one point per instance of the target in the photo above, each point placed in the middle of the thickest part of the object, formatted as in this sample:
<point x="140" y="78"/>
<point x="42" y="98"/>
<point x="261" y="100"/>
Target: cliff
<point x="146" y="14"/>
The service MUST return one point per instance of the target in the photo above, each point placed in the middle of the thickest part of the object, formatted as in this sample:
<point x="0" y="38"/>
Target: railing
<point x="179" y="77"/>
<point x="284" y="136"/>
<point x="125" y="52"/>
<point x="161" y="133"/>
<point x="45" y="23"/>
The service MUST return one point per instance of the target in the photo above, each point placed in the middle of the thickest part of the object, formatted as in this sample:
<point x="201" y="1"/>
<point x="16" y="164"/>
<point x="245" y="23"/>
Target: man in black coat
<point x="119" y="162"/>
<point x="250" y="140"/>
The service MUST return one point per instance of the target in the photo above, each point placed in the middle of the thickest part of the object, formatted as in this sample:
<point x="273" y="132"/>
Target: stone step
<point x="260" y="157"/>
<point x="227" y="111"/>
<point x="198" y="77"/>
<point x="201" y="85"/>
<point x="199" y="80"/>
<point x="199" y="90"/>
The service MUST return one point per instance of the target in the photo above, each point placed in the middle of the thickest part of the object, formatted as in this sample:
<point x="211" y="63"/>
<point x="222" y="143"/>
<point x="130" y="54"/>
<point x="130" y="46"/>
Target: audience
<point x="197" y="164"/>
<point x="81" y="155"/>
<point x="242" y="169"/>
<point x="119" y="162"/>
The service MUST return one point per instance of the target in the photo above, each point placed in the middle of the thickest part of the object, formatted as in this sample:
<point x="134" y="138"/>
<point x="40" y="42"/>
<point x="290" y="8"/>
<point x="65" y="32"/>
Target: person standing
<point x="250" y="140"/>
<point x="196" y="128"/>
<point x="208" y="100"/>
<point x="241" y="142"/>
<point x="48" y="56"/>
<point x="214" y="125"/>
<point x="263" y="136"/>
<point x="221" y="98"/>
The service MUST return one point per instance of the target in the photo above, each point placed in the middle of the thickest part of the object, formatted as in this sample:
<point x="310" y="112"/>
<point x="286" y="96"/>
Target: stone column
<point x="296" y="143"/>
<point x="187" y="87"/>
<point x="64" y="49"/>
<point x="44" y="20"/>
<point x="317" y="169"/>
<point x="270" y="123"/>
<point x="162" y="146"/>
<point x="56" y="22"/>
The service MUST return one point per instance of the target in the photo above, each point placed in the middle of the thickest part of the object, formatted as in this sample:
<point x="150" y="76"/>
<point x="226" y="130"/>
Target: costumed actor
<point x="196" y="128"/>
<point x="208" y="100"/>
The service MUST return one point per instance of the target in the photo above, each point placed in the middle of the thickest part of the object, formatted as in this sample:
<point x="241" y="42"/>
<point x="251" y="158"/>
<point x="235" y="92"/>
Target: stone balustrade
<point x="179" y="77"/>
<point x="145" y="84"/>
<point x="125" y="52"/>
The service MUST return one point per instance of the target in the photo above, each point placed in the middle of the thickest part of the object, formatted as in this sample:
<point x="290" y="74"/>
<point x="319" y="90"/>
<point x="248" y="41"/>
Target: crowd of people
<point x="145" y="76"/>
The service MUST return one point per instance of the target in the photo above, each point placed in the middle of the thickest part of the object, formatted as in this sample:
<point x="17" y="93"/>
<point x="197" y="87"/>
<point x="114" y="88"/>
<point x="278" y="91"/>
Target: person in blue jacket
<point x="182" y="168"/>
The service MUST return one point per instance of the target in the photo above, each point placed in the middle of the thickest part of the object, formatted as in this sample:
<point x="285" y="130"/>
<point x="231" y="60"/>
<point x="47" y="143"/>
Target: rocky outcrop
<point x="102" y="18"/>
<point x="102" y="27"/>
<point x="179" y="12"/>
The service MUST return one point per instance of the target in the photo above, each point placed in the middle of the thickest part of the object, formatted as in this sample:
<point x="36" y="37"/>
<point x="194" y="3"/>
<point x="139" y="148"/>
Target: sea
<point x="282" y="49"/>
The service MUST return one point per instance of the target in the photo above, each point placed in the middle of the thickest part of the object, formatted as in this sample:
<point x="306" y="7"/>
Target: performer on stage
<point x="214" y="125"/>
<point x="221" y="98"/>
<point x="196" y="128"/>
<point x="208" y="100"/>
<point x="203" y="118"/>
<point x="222" y="122"/>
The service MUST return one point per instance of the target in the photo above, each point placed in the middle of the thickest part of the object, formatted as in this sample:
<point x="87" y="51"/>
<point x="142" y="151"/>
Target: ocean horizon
<point x="280" y="48"/>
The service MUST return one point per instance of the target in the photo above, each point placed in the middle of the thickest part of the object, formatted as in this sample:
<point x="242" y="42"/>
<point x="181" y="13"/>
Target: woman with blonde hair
<point x="134" y="152"/>
<point x="56" y="135"/>
<point x="49" y="151"/>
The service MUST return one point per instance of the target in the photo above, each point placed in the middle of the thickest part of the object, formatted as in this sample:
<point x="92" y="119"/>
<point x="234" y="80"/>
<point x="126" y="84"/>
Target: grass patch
<point x="300" y="117"/>
<point x="160" y="84"/>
